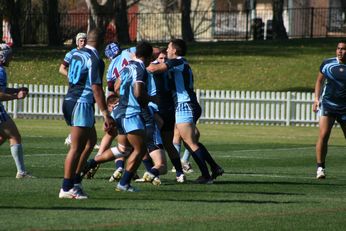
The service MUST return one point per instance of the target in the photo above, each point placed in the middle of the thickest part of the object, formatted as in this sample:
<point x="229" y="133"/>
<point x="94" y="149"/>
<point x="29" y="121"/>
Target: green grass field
<point x="269" y="184"/>
<point x="290" y="65"/>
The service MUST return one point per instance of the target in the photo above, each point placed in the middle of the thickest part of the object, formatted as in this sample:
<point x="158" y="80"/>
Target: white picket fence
<point x="218" y="106"/>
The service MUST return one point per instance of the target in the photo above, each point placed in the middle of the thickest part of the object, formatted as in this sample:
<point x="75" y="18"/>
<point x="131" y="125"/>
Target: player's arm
<point x="101" y="103"/>
<point x="117" y="86"/>
<point x="63" y="69"/>
<point x="318" y="86"/>
<point x="110" y="86"/>
<point x="158" y="119"/>
<point x="99" y="95"/>
<point x="157" y="68"/>
<point x="140" y="93"/>
<point x="6" y="97"/>
<point x="13" y="93"/>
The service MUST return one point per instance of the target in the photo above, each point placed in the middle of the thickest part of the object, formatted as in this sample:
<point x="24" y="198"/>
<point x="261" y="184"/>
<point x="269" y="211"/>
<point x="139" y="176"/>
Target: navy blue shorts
<point x="3" y="114"/>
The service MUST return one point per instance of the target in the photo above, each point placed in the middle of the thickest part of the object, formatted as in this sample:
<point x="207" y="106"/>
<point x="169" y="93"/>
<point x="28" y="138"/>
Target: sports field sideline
<point x="269" y="184"/>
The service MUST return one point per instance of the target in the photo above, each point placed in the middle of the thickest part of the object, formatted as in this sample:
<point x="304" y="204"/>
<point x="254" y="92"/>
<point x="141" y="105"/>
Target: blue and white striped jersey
<point x="333" y="95"/>
<point x="86" y="69"/>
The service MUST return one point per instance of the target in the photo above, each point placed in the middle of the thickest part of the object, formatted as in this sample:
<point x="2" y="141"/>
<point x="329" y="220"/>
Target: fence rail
<point x="218" y="106"/>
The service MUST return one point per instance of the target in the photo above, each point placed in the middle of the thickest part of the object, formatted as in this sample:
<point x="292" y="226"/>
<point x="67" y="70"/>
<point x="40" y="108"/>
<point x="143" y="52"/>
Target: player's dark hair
<point x="180" y="46"/>
<point x="163" y="51"/>
<point x="111" y="99"/>
<point x="144" y="50"/>
<point x="342" y="41"/>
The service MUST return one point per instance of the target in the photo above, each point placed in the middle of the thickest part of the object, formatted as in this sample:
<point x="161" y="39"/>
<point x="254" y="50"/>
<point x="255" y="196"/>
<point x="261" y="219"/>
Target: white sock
<point x="17" y="154"/>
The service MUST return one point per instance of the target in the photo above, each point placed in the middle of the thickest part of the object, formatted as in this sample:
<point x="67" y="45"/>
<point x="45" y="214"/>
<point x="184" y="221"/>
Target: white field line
<point x="272" y="175"/>
<point x="265" y="150"/>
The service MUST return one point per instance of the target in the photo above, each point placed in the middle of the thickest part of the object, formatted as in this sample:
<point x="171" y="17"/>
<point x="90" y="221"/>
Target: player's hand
<point x="109" y="124"/>
<point x="24" y="89"/>
<point x="21" y="94"/>
<point x="315" y="106"/>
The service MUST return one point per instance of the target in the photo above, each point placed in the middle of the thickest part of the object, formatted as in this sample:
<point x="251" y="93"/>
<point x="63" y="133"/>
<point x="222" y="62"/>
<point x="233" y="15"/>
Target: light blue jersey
<point x="187" y="108"/>
<point x="134" y="72"/>
<point x="333" y="96"/>
<point x="118" y="63"/>
<point x="182" y="78"/>
<point x="86" y="69"/>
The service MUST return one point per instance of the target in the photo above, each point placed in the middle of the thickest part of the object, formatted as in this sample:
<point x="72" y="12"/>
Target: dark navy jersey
<point x="86" y="69"/>
<point x="333" y="95"/>
<point x="162" y="89"/>
<point x="179" y="71"/>
<point x="134" y="72"/>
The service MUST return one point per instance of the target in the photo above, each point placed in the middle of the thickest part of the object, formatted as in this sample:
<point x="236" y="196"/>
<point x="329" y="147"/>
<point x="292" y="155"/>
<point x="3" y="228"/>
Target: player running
<point x="8" y="129"/>
<point x="330" y="102"/>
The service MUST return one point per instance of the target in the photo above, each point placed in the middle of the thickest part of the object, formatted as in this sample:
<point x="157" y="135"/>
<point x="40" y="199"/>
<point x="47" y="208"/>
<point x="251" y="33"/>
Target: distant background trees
<point x="111" y="16"/>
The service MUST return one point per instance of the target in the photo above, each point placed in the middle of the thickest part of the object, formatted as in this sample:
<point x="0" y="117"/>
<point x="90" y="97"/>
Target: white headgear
<point x="80" y="36"/>
<point x="5" y="52"/>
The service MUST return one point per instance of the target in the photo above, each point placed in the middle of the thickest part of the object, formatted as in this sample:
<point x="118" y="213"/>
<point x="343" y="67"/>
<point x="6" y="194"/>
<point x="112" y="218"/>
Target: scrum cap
<point x="112" y="50"/>
<point x="80" y="36"/>
<point x="5" y="52"/>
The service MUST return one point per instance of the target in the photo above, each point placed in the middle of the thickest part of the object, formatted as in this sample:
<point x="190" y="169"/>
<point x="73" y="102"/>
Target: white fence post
<point x="288" y="108"/>
<point x="15" y="105"/>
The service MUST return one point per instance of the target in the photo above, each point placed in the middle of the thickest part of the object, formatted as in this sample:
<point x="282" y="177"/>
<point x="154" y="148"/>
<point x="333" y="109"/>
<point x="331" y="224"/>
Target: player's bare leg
<point x="137" y="141"/>
<point x="9" y="131"/>
<point x="325" y="124"/>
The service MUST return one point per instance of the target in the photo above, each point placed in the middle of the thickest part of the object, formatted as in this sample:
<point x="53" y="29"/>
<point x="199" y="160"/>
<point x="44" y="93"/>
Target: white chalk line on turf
<point x="265" y="150"/>
<point x="271" y="176"/>
<point x="37" y="155"/>
<point x="221" y="156"/>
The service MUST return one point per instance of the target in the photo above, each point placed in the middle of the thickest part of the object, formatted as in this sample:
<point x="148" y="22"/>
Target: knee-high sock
<point x="17" y="154"/>
<point x="198" y="157"/>
<point x="148" y="164"/>
<point x="208" y="157"/>
<point x="126" y="179"/>
<point x="177" y="165"/>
